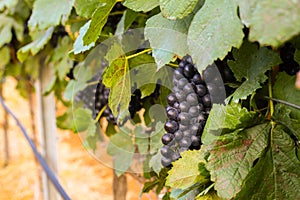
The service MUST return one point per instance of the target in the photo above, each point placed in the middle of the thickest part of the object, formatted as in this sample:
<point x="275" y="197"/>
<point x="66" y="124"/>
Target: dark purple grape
<point x="189" y="71"/>
<point x="178" y="135"/>
<point x="195" y="141"/>
<point x="167" y="138"/>
<point x="182" y="82"/>
<point x="180" y="95"/>
<point x="184" y="118"/>
<point x="188" y="88"/>
<point x="206" y="100"/>
<point x="171" y="126"/>
<point x="184" y="106"/>
<point x="165" y="151"/>
<point x="166" y="161"/>
<point x="172" y="113"/>
<point x="197" y="79"/>
<point x="175" y="156"/>
<point x="192" y="99"/>
<point x="185" y="142"/>
<point x="171" y="99"/>
<point x="201" y="90"/>
<point x="178" y="73"/>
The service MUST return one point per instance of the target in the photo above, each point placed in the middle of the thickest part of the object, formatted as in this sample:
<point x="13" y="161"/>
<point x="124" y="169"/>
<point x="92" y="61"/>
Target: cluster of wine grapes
<point x="187" y="111"/>
<point x="95" y="98"/>
<point x="289" y="65"/>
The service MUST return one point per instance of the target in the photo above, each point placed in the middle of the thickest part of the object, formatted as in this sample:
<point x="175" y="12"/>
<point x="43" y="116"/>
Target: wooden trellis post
<point x="46" y="118"/>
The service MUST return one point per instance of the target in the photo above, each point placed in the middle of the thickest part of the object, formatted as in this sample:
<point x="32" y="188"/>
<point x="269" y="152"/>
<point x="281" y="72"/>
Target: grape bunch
<point x="187" y="111"/>
<point x="95" y="98"/>
<point x="289" y="65"/>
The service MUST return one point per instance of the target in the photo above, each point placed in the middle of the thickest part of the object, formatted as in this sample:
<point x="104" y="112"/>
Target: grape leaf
<point x="6" y="26"/>
<point x="86" y="8"/>
<point x="141" y="5"/>
<point x="271" y="22"/>
<point x="7" y="4"/>
<point x="141" y="139"/>
<point x="81" y="119"/>
<point x="225" y="119"/>
<point x="215" y="29"/>
<point x="180" y="194"/>
<point x="232" y="156"/>
<point x="78" y="44"/>
<point x="127" y="19"/>
<point x="155" y="162"/>
<point x="40" y="39"/>
<point x="155" y="137"/>
<point x="209" y="196"/>
<point x="177" y="9"/>
<point x="99" y="19"/>
<point x="48" y="13"/>
<point x="121" y="148"/>
<point x="282" y="115"/>
<point x="287" y="92"/>
<point x="251" y="63"/>
<point x="182" y="176"/>
<point x="276" y="174"/>
<point x="59" y="61"/>
<point x="163" y="35"/>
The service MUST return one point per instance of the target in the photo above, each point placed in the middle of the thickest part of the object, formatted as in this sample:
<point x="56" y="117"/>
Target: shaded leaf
<point x="122" y="149"/>
<point x="6" y="26"/>
<point x="215" y="29"/>
<point x="271" y="22"/>
<point x="287" y="92"/>
<point x="250" y="64"/>
<point x="40" y="39"/>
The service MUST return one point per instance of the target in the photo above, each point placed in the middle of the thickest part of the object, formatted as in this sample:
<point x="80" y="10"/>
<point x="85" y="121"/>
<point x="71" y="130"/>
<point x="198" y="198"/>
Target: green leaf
<point x="6" y="26"/>
<point x="40" y="39"/>
<point x="155" y="162"/>
<point x="9" y="4"/>
<point x="232" y="156"/>
<point x="287" y="92"/>
<point x="86" y="8"/>
<point x="59" y="61"/>
<point x="179" y="194"/>
<point x="141" y="5"/>
<point x="98" y="21"/>
<point x="163" y="35"/>
<point x="225" y="119"/>
<point x="155" y="137"/>
<point x="271" y="22"/>
<point x="276" y="174"/>
<point x="127" y="19"/>
<point x="209" y="196"/>
<point x="215" y="29"/>
<point x="79" y="44"/>
<point x="82" y="118"/>
<point x="122" y="149"/>
<point x="141" y="139"/>
<point x="182" y="176"/>
<point x="282" y="115"/>
<point x="48" y="13"/>
<point x="174" y="9"/>
<point x="250" y="64"/>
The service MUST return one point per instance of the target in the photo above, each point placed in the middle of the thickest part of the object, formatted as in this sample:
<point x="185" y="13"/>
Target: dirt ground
<point x="82" y="176"/>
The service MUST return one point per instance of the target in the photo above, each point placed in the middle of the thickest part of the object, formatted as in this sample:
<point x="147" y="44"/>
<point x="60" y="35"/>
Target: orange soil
<point x="80" y="174"/>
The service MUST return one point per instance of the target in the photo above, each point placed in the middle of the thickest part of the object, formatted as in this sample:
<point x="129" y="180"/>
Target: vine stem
<point x="173" y="64"/>
<point x="99" y="114"/>
<point x="284" y="102"/>
<point x="271" y="96"/>
<point x="137" y="54"/>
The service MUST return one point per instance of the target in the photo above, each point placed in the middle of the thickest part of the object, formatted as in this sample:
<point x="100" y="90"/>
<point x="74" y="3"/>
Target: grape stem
<point x="284" y="102"/>
<point x="137" y="54"/>
<point x="271" y="96"/>
<point x="100" y="113"/>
